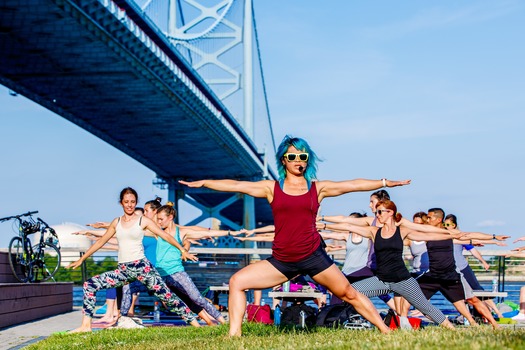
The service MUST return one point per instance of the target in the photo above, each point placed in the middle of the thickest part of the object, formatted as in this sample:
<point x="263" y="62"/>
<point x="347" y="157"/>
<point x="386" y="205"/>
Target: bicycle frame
<point x="28" y="261"/>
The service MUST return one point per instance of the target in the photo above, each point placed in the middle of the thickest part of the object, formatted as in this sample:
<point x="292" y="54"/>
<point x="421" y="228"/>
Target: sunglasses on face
<point x="381" y="211"/>
<point x="302" y="157"/>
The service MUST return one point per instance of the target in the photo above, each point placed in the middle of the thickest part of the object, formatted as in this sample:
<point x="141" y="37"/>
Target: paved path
<point x="18" y="336"/>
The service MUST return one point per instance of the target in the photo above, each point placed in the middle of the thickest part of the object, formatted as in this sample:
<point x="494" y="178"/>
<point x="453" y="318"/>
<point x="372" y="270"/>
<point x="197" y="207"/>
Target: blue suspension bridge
<point x="175" y="84"/>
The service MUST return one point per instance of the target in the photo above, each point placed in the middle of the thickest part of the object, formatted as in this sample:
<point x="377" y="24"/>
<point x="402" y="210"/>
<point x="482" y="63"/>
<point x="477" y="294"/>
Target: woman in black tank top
<point x="392" y="275"/>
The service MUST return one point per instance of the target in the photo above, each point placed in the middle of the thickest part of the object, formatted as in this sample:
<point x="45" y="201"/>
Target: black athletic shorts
<point x="312" y="265"/>
<point x="452" y="290"/>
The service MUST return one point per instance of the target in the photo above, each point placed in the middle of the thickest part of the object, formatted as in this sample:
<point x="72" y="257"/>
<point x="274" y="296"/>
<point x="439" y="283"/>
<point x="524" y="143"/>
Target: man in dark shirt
<point x="443" y="277"/>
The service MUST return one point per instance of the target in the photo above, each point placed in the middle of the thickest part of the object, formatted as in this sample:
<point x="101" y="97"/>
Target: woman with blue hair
<point x="297" y="248"/>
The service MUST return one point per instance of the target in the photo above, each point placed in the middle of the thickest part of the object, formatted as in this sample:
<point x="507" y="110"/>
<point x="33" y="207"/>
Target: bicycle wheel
<point x="46" y="262"/>
<point x="18" y="260"/>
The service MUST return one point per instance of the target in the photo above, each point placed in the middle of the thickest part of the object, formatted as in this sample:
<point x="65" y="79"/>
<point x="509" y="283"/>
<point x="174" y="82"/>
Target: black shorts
<point x="452" y="290"/>
<point x="312" y="265"/>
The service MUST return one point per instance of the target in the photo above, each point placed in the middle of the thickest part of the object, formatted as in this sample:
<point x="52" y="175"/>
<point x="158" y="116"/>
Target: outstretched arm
<point x="475" y="253"/>
<point x="520" y="239"/>
<point x="343" y="236"/>
<point x="364" y="221"/>
<point x="258" y="189"/>
<point x="263" y="237"/>
<point x="365" y="231"/>
<point x="148" y="224"/>
<point x="200" y="234"/>
<point x="430" y="235"/>
<point x="110" y="232"/>
<point x="264" y="229"/>
<point x="412" y="226"/>
<point x="99" y="224"/>
<point x="333" y="188"/>
<point x="484" y="236"/>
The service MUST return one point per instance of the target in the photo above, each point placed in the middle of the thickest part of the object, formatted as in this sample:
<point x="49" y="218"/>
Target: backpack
<point x="291" y="315"/>
<point x="341" y="315"/>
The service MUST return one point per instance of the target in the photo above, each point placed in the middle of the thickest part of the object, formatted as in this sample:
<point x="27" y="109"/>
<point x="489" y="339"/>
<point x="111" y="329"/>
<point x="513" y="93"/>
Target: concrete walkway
<point x="19" y="336"/>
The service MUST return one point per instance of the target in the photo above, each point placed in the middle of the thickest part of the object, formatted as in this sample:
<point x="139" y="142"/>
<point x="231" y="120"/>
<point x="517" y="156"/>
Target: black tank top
<point x="389" y="257"/>
<point x="441" y="260"/>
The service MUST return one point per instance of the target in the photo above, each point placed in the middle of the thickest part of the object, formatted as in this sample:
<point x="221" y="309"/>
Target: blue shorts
<point x="312" y="265"/>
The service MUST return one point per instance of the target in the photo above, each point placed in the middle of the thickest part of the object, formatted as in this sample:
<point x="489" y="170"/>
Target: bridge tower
<point x="219" y="40"/>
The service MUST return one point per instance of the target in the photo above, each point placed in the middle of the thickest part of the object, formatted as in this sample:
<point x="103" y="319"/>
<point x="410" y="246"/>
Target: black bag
<point x="334" y="315"/>
<point x="341" y="315"/>
<point x="291" y="315"/>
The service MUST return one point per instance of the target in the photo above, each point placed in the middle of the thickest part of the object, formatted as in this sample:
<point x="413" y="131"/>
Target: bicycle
<point x="33" y="263"/>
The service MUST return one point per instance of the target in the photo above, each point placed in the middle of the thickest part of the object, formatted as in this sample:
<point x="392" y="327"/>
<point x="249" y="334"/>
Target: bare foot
<point x="80" y="330"/>
<point x="107" y="320"/>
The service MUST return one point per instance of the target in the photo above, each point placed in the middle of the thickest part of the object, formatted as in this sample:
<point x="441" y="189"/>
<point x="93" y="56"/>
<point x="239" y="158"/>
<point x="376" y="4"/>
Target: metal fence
<point x="217" y="265"/>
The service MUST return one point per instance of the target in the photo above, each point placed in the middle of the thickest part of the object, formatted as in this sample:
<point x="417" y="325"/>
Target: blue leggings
<point x="182" y="281"/>
<point x="140" y="270"/>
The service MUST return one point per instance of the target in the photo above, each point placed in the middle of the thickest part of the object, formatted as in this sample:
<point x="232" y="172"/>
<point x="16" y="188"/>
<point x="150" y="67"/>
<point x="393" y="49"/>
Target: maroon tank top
<point x="296" y="236"/>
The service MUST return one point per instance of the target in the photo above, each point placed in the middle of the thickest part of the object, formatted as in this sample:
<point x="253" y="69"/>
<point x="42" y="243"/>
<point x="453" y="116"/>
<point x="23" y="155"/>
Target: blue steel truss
<point x="104" y="67"/>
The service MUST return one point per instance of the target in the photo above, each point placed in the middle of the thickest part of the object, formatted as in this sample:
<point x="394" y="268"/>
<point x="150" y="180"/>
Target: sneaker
<point x="357" y="322"/>
<point x="519" y="317"/>
<point x="137" y="320"/>
<point x="404" y="323"/>
<point x="127" y="323"/>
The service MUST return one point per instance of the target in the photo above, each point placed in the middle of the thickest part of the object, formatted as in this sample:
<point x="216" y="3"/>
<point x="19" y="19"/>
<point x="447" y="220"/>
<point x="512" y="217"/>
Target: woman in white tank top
<point x="132" y="263"/>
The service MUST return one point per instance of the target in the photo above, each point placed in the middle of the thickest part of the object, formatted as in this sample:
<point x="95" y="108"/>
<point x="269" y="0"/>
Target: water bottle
<point x="495" y="284"/>
<point x="286" y="286"/>
<point x="302" y="319"/>
<point x="277" y="315"/>
<point x="156" y="313"/>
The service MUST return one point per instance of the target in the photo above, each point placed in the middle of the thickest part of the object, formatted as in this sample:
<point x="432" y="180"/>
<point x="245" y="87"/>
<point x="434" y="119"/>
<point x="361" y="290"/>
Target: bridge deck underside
<point x="80" y="61"/>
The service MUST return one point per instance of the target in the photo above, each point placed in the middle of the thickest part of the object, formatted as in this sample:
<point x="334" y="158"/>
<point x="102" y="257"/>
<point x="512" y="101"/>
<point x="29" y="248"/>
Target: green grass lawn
<point x="258" y="336"/>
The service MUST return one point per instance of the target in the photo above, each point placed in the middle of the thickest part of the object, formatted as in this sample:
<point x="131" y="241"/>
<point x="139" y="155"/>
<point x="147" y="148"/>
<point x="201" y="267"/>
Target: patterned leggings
<point x="182" y="281"/>
<point x="409" y="289"/>
<point x="140" y="270"/>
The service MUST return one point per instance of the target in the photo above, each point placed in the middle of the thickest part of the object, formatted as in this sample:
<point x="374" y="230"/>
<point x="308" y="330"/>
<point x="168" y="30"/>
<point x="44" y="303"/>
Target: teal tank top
<point x="169" y="258"/>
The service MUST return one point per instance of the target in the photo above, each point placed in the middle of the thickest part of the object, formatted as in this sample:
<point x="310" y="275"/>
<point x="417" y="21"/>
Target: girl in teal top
<point x="169" y="261"/>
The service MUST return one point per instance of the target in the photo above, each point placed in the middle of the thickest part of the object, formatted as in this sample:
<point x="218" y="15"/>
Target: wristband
<point x="322" y="218"/>
<point x="324" y="228"/>
<point x="493" y="236"/>
<point x="229" y="233"/>
<point x="384" y="182"/>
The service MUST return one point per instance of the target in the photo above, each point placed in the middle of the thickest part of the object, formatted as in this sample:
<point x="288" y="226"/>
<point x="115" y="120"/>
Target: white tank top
<point x="130" y="247"/>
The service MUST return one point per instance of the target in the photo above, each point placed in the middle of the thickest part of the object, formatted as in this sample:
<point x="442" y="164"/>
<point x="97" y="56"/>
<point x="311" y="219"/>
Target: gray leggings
<point x="409" y="289"/>
<point x="182" y="281"/>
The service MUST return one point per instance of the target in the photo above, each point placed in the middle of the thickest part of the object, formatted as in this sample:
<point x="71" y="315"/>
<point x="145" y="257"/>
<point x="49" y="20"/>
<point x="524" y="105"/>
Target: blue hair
<point x="300" y="144"/>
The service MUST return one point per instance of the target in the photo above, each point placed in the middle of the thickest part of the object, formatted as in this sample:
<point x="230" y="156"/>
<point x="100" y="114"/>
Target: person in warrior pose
<point x="297" y="249"/>
<point x="132" y="263"/>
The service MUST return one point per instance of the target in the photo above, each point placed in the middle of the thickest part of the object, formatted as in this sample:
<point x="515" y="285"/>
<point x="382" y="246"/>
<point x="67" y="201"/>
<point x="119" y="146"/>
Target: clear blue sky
<point x="431" y="91"/>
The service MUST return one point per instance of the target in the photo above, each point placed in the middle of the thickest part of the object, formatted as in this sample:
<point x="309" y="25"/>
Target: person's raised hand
<point x="194" y="184"/>
<point x="395" y="183"/>
<point x="74" y="264"/>
<point x="186" y="255"/>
